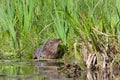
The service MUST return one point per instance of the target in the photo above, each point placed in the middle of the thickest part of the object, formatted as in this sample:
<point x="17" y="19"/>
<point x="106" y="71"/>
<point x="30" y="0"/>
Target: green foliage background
<point x="26" y="24"/>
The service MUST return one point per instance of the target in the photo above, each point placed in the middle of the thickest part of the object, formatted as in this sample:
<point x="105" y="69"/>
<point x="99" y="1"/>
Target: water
<point x="49" y="70"/>
<point x="30" y="69"/>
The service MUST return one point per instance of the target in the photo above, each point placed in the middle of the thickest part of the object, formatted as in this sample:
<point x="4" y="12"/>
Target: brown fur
<point x="49" y="50"/>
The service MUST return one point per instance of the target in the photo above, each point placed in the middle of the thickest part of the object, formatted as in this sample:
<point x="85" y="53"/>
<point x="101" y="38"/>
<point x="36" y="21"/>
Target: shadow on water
<point x="52" y="70"/>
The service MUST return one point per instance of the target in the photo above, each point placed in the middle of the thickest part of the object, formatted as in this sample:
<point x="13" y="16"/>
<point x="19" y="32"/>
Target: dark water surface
<point x="30" y="70"/>
<point x="48" y="70"/>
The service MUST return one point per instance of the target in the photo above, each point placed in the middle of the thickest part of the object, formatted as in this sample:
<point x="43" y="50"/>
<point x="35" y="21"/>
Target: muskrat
<point x="49" y="50"/>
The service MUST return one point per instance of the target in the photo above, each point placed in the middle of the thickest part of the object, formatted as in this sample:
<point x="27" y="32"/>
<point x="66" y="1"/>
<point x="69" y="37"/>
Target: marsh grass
<point x="26" y="24"/>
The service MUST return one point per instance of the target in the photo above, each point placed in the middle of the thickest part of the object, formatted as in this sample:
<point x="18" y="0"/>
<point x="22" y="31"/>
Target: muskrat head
<point x="50" y="48"/>
<point x="52" y="44"/>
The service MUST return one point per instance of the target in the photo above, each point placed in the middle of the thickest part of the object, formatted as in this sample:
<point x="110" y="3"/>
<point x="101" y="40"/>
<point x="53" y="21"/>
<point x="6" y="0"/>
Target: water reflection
<point x="52" y="70"/>
<point x="49" y="69"/>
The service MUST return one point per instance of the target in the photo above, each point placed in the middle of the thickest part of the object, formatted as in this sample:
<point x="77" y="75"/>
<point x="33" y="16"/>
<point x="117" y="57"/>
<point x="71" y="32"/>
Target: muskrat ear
<point x="59" y="40"/>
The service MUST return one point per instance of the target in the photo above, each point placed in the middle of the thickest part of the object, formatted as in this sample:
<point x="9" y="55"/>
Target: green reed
<point x="26" y="24"/>
<point x="7" y="22"/>
<point x="96" y="21"/>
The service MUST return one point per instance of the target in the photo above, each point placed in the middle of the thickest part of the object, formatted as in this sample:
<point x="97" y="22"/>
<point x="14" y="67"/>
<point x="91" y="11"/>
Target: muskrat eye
<point x="41" y="56"/>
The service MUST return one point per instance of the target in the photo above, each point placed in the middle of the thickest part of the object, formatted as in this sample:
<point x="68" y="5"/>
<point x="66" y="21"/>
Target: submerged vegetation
<point x="89" y="29"/>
